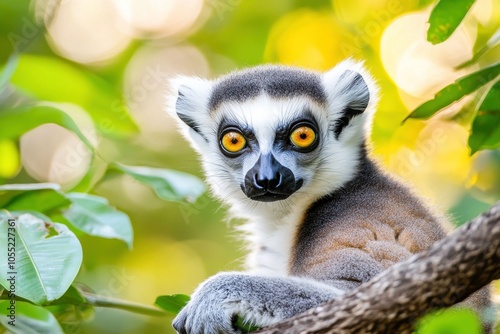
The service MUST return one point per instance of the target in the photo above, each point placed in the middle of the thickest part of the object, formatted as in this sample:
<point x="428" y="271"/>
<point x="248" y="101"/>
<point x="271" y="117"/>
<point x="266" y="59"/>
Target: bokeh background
<point x="137" y="45"/>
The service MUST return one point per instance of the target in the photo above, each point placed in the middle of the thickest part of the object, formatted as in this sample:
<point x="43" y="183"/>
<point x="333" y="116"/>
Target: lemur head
<point x="277" y="134"/>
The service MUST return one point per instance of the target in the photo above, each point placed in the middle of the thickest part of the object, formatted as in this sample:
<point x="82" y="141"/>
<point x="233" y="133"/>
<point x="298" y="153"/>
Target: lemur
<point x="286" y="148"/>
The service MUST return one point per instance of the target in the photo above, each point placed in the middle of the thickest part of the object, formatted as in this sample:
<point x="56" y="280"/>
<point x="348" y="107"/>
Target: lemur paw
<point x="195" y="318"/>
<point x="212" y="308"/>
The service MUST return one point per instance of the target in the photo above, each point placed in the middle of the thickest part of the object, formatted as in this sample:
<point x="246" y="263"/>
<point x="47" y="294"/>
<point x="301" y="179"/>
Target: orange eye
<point x="303" y="137"/>
<point x="233" y="142"/>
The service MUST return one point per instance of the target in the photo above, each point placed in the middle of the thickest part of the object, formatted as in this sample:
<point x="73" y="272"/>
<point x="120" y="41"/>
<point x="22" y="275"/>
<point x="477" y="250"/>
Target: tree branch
<point x="447" y="273"/>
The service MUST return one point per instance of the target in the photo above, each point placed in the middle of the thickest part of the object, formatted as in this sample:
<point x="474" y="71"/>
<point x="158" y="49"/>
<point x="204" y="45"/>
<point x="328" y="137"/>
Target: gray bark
<point x="447" y="273"/>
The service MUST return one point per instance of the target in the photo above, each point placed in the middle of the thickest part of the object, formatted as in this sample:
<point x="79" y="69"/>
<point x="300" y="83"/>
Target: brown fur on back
<point x="363" y="228"/>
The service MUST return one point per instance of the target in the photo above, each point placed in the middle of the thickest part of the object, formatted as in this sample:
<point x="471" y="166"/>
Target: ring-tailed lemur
<point x="285" y="148"/>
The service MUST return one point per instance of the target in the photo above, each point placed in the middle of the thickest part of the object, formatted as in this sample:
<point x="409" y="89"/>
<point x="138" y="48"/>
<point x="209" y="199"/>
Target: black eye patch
<point x="283" y="132"/>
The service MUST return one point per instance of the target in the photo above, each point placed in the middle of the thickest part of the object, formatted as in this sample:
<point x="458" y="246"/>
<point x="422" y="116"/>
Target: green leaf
<point x="451" y="93"/>
<point x="58" y="81"/>
<point x="456" y="321"/>
<point x="173" y="304"/>
<point x="244" y="326"/>
<point x="70" y="315"/>
<point x="490" y="44"/>
<point x="168" y="184"/>
<point x="485" y="132"/>
<point x="37" y="214"/>
<point x="72" y="296"/>
<point x="93" y="215"/>
<point x="29" y="186"/>
<point x="445" y="18"/>
<point x="42" y="200"/>
<point x="48" y="257"/>
<point x="29" y="319"/>
<point x="8" y="70"/>
<point x="15" y="122"/>
<point x="9" y="191"/>
<point x="491" y="101"/>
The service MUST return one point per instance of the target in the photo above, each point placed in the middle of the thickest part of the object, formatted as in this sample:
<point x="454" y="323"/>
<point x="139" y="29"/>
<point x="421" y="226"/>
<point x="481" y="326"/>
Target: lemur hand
<point x="259" y="300"/>
<point x="211" y="309"/>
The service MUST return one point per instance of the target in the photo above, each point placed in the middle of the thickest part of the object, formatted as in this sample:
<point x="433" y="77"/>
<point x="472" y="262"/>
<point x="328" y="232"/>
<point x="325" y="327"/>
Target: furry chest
<point x="271" y="251"/>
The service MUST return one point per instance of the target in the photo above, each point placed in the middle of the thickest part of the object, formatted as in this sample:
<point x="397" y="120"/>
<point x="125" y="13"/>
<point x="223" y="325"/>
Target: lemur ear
<point x="351" y="94"/>
<point x="188" y="104"/>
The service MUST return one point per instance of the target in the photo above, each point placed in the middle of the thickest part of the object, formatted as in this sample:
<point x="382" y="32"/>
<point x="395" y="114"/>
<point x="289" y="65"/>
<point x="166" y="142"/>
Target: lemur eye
<point x="233" y="142"/>
<point x="303" y="137"/>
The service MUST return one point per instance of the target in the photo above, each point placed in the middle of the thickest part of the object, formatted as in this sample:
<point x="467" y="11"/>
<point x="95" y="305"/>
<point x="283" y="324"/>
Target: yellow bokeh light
<point x="10" y="159"/>
<point x="496" y="293"/>
<point x="305" y="38"/>
<point x="172" y="267"/>
<point x="357" y="12"/>
<point x="486" y="178"/>
<point x="437" y="165"/>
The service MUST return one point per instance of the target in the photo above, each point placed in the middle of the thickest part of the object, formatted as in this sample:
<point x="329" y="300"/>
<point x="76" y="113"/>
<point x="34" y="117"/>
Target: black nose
<point x="268" y="180"/>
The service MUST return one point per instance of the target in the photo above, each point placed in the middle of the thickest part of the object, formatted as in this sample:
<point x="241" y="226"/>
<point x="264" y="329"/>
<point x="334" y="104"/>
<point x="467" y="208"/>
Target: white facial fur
<point x="333" y="163"/>
<point x="337" y="159"/>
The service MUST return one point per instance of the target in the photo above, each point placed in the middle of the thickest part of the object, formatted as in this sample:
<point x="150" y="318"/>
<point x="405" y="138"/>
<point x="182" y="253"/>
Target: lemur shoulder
<point x="286" y="149"/>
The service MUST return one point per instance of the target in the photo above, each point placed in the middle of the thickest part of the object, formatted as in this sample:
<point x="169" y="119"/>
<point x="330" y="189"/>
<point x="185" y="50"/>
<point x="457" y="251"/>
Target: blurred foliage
<point x="82" y="131"/>
<point x="458" y="321"/>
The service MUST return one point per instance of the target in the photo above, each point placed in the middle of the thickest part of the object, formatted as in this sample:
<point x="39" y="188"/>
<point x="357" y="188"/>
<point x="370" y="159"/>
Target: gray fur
<point x="361" y="208"/>
<point x="213" y="305"/>
<point x="356" y="86"/>
<point x="277" y="81"/>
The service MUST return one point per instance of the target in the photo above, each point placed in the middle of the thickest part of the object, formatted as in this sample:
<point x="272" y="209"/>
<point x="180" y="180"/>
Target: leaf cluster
<point x="48" y="220"/>
<point x="485" y="130"/>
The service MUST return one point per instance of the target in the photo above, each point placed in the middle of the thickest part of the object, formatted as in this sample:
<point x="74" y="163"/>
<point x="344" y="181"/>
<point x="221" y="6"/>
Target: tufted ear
<point x="351" y="94"/>
<point x="188" y="104"/>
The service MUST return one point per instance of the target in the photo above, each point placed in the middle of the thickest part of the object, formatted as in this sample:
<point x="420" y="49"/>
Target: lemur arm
<point x="260" y="300"/>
